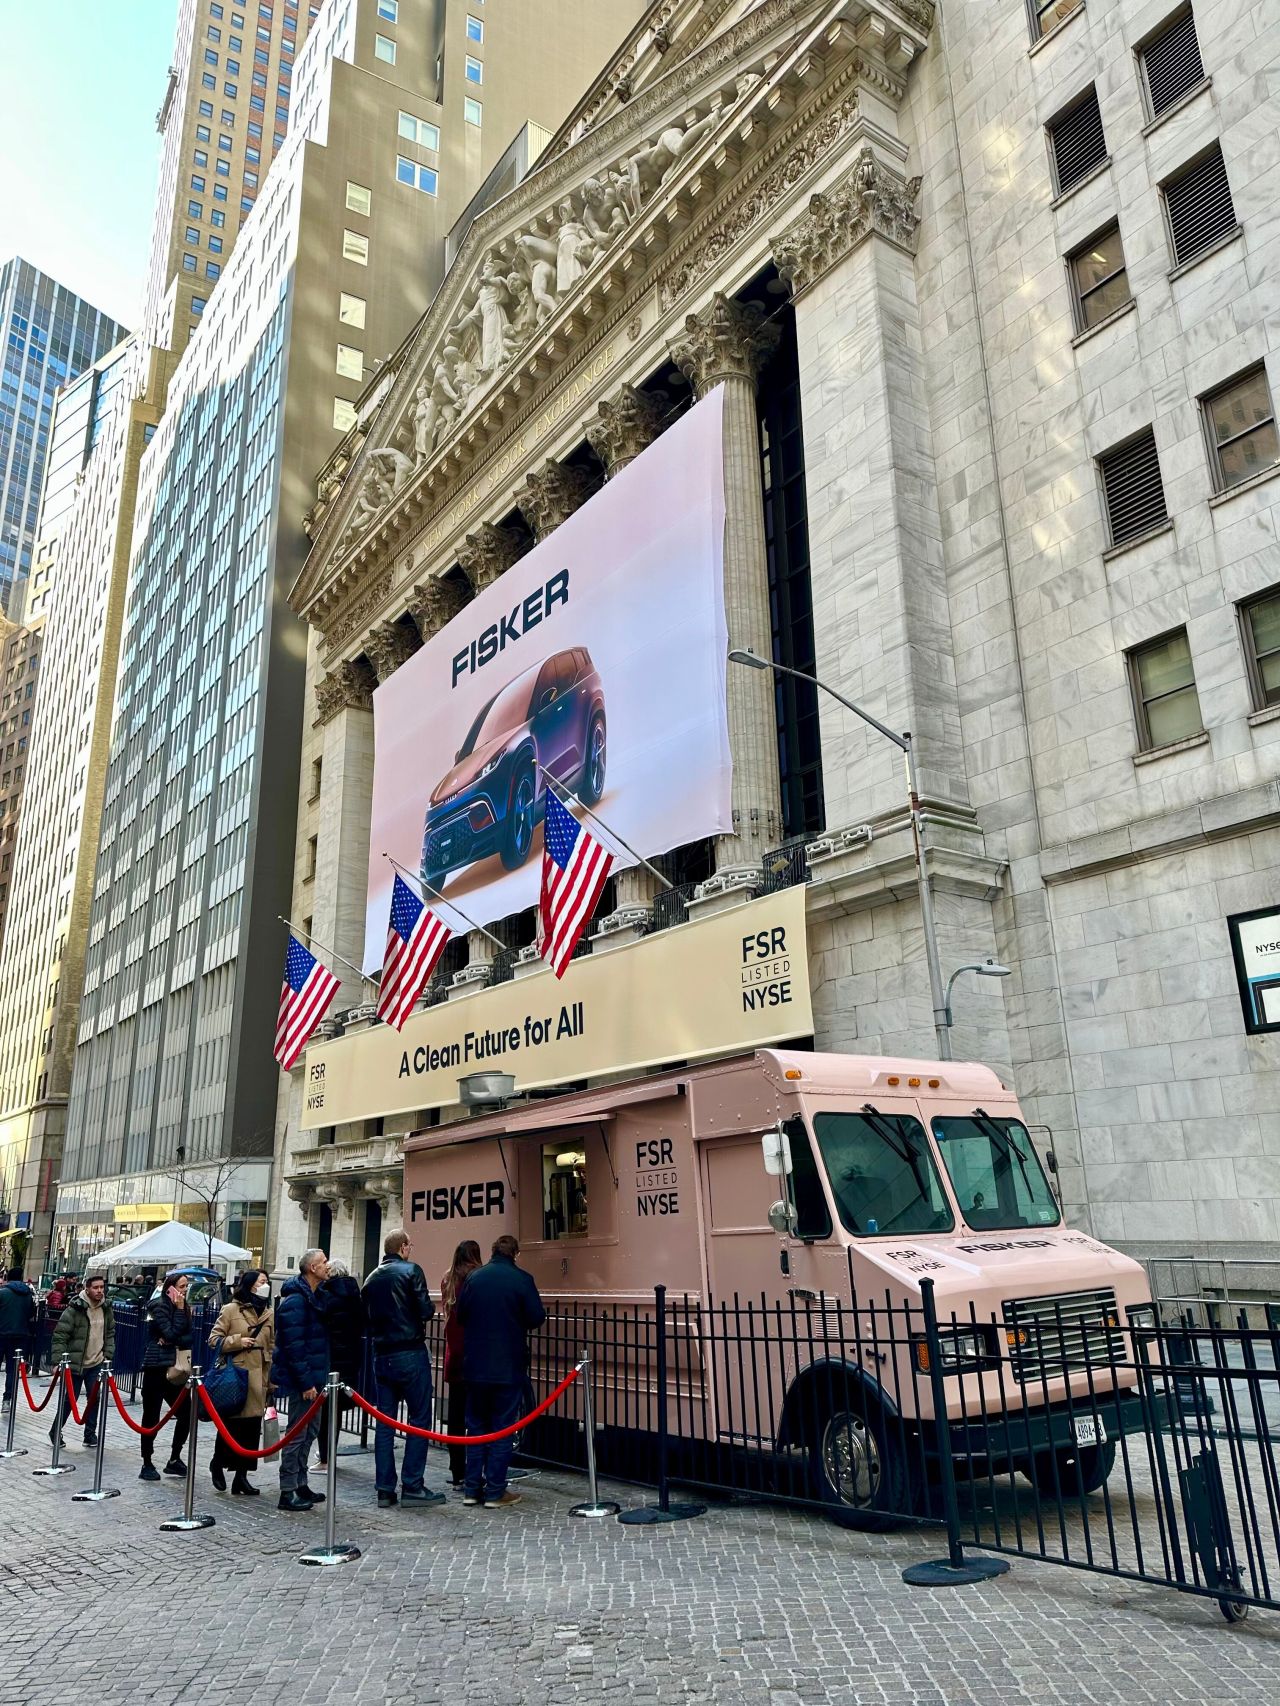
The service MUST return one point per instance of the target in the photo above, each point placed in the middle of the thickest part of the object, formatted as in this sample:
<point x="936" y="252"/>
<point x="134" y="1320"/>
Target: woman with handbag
<point x="466" y="1259"/>
<point x="166" y="1363"/>
<point x="245" y="1334"/>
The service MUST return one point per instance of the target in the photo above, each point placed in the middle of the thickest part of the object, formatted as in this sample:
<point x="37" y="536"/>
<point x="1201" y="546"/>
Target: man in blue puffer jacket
<point x="299" y="1370"/>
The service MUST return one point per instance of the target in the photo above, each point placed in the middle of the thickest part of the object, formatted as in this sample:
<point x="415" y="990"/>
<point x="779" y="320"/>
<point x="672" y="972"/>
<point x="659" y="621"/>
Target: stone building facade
<point x="998" y="350"/>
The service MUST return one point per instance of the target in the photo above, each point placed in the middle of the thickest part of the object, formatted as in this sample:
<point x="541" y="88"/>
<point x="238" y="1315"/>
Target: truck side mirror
<point x="1051" y="1161"/>
<point x="777" y="1152"/>
<point x="782" y="1218"/>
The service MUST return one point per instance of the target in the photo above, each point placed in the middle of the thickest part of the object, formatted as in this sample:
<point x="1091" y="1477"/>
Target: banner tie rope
<point x="269" y="1451"/>
<point x="137" y="1427"/>
<point x="26" y="1387"/>
<point x="466" y="1439"/>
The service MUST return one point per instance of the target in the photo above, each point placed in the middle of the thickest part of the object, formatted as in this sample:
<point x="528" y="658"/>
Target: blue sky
<point x="78" y="144"/>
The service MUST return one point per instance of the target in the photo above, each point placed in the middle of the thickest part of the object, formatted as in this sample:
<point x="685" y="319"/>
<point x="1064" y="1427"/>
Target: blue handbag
<point x="227" y="1386"/>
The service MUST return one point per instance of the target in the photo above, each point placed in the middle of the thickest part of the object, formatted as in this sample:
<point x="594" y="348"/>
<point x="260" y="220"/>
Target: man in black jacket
<point x="17" y="1325"/>
<point x="498" y="1307"/>
<point x="398" y="1306"/>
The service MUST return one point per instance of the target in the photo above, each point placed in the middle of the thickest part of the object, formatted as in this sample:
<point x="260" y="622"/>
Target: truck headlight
<point x="963" y="1349"/>
<point x="1142" y="1318"/>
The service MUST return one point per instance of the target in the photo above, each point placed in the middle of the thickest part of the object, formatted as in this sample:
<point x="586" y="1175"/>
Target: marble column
<point x="489" y="553"/>
<point x="336" y="897"/>
<point x="727" y="344"/>
<point x="432" y="603"/>
<point x="389" y="645"/>
<point x="625" y="425"/>
<point x="481" y="953"/>
<point x="551" y="496"/>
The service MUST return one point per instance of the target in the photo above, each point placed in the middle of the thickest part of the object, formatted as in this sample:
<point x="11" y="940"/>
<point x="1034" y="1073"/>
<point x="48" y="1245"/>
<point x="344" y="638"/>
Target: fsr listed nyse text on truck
<point x="766" y="969"/>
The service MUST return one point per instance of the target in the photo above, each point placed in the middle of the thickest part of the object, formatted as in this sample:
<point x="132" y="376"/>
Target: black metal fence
<point x="1059" y="1430"/>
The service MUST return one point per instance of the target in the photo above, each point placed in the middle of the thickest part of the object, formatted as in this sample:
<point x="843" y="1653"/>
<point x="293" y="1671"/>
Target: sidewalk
<point x="747" y="1606"/>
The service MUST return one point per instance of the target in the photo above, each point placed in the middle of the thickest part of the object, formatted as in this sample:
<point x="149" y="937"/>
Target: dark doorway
<point x="372" y="1238"/>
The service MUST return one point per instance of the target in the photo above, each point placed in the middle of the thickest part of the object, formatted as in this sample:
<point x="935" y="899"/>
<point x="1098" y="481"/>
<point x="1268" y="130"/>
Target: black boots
<point x="218" y="1478"/>
<point x="242" y="1484"/>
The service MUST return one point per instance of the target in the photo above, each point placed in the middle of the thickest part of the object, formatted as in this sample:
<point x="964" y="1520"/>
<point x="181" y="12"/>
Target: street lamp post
<point x="941" y="1019"/>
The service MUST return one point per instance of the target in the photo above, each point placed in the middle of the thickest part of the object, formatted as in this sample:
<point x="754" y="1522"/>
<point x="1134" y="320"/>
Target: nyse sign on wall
<point x="598" y="660"/>
<point x="730" y="983"/>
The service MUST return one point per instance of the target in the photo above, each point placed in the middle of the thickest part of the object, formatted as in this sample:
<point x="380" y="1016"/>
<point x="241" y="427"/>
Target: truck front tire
<point x="856" y="1469"/>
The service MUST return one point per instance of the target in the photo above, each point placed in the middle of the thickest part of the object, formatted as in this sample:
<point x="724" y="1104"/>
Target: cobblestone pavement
<point x="748" y="1606"/>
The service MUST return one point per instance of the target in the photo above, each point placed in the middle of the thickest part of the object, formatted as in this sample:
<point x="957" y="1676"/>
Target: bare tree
<point x="208" y="1190"/>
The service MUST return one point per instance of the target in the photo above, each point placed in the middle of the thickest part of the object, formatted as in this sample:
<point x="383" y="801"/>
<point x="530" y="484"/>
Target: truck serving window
<point x="995" y="1172"/>
<point x="564" y="1190"/>
<point x="882" y="1173"/>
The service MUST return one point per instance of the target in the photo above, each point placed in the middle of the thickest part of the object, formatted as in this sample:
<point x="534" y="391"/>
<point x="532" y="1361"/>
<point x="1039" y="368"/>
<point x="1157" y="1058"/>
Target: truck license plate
<point x="1090" y="1432"/>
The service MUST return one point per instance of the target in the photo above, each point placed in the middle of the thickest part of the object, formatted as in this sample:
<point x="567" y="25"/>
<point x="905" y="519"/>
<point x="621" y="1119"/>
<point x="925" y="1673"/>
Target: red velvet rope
<point x="270" y="1451"/>
<point x="26" y="1387"/>
<point x="137" y="1427"/>
<point x="465" y="1439"/>
<point x="71" y="1398"/>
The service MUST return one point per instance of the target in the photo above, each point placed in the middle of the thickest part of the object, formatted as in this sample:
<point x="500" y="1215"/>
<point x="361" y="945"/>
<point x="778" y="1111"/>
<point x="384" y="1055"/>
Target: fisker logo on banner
<point x="597" y="660"/>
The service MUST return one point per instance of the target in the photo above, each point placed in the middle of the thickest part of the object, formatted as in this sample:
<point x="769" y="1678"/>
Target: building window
<point x="1241" y="422"/>
<point x="421" y="177"/>
<point x="317" y="771"/>
<point x="197" y="182"/>
<point x="390" y="10"/>
<point x="471" y="110"/>
<point x="188" y="263"/>
<point x="206" y="111"/>
<point x="201" y="158"/>
<point x="351" y="309"/>
<point x="198" y="304"/>
<point x="1046" y="15"/>
<point x="1198" y="206"/>
<point x="215" y="245"/>
<point x="1171" y="63"/>
<point x="355" y="248"/>
<point x="219" y="192"/>
<point x="217" y="217"/>
<point x="225" y="143"/>
<point x="350" y="362"/>
<point x="344" y="414"/>
<point x="223" y="168"/>
<point x="192" y="235"/>
<point x="208" y="80"/>
<point x="210" y="57"/>
<point x="230" y="90"/>
<point x="1260" y="622"/>
<point x="1076" y="142"/>
<point x="475" y="29"/>
<point x="195" y="210"/>
<point x="384" y="49"/>
<point x="313" y="850"/>
<point x="1099" y="281"/>
<point x="474" y="70"/>
<point x="1165" y="700"/>
<point x="212" y="269"/>
<point x="1132" y="488"/>
<point x="419" y="131"/>
<point x="358" y="198"/>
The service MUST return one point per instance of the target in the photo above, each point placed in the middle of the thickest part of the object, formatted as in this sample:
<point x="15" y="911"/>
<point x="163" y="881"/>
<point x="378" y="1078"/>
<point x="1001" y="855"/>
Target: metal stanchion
<point x="594" y="1506"/>
<point x="190" y="1518"/>
<point x="333" y="1551"/>
<point x="664" y="1510"/>
<point x="10" y="1449"/>
<point x="98" y="1492"/>
<point x="58" y="1467"/>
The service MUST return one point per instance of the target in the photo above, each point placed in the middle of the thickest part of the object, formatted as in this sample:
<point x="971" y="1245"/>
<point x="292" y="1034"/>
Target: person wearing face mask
<point x="245" y="1331"/>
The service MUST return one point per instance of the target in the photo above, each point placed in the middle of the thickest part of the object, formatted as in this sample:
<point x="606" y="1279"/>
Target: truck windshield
<point x="995" y="1172"/>
<point x="882" y="1173"/>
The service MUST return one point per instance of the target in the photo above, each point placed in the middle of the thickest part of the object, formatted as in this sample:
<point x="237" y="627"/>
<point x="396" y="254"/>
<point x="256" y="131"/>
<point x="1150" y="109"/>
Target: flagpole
<point x="414" y="877"/>
<point x="653" y="870"/>
<point x="332" y="953"/>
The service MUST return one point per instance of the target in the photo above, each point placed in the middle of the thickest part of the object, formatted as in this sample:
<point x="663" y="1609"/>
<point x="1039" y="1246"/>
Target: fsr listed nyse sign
<point x="733" y="982"/>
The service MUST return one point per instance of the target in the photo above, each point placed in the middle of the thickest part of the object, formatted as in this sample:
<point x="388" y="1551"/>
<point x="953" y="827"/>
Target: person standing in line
<point x="498" y="1307"/>
<point x="466" y="1259"/>
<point x="299" y="1370"/>
<point x="17" y="1326"/>
<point x="86" y="1336"/>
<point x="168" y="1333"/>
<point x="345" y="1318"/>
<point x="245" y="1330"/>
<point x="398" y="1306"/>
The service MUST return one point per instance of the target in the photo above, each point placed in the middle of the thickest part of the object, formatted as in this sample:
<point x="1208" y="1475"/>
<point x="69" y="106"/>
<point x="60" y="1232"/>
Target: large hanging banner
<point x="598" y="659"/>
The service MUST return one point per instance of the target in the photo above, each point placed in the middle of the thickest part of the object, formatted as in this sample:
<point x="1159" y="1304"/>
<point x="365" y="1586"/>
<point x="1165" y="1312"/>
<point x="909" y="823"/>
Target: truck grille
<point x="1049" y="1336"/>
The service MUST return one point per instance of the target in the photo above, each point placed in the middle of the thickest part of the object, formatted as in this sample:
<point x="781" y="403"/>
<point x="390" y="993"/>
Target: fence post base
<point x="942" y="1573"/>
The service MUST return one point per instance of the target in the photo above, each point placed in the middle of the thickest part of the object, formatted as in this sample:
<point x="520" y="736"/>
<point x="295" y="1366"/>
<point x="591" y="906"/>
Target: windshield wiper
<point x="879" y="1124"/>
<point x="990" y="1128"/>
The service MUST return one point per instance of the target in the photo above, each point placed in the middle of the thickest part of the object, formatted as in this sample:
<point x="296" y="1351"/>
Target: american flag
<point x="575" y="867"/>
<point x="306" y="992"/>
<point x="415" y="941"/>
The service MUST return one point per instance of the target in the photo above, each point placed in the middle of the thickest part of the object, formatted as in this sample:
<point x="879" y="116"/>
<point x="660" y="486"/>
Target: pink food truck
<point x="832" y="1184"/>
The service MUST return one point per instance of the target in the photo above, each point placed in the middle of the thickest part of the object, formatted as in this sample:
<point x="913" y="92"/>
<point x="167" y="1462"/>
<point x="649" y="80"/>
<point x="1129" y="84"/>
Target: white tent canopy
<point x="169" y="1245"/>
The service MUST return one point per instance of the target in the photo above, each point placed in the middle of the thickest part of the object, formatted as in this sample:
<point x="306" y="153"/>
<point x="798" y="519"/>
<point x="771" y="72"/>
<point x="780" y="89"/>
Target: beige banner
<point x="736" y="981"/>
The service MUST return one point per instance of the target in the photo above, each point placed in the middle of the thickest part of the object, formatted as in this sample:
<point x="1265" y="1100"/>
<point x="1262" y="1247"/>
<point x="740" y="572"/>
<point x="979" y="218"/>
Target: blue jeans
<point x="401" y="1375"/>
<point x="490" y="1408"/>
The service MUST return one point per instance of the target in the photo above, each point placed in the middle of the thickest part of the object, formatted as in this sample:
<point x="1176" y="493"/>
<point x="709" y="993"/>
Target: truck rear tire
<point x="1079" y="1469"/>
<point x="855" y="1469"/>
